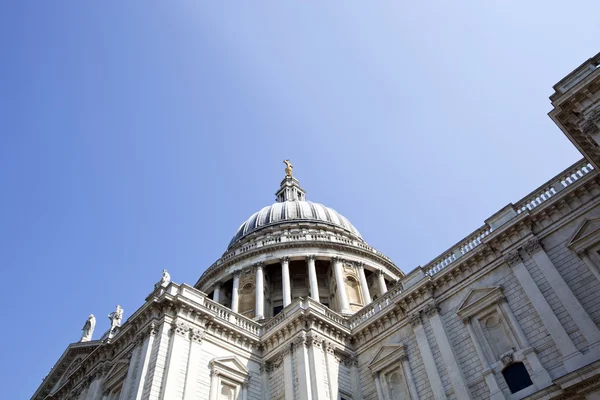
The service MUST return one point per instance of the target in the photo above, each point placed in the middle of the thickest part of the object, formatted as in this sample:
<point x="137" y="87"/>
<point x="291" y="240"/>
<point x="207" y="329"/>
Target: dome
<point x="293" y="211"/>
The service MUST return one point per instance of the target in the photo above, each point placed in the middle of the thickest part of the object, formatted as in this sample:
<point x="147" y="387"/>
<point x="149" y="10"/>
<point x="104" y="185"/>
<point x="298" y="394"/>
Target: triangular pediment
<point x="386" y="355"/>
<point x="64" y="367"/>
<point x="231" y="367"/>
<point x="587" y="234"/>
<point x="478" y="299"/>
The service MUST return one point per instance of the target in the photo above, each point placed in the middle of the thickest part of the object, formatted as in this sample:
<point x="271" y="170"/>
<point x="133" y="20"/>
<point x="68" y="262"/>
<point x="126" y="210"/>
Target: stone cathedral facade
<point x="300" y="307"/>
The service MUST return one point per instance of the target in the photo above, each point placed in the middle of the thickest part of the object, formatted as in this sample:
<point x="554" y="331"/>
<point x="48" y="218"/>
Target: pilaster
<point x="427" y="355"/>
<point x="572" y="358"/>
<point x="455" y="374"/>
<point x="196" y="336"/>
<point x="586" y="326"/>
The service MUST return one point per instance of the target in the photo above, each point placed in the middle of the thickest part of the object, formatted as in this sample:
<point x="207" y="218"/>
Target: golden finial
<point x="288" y="168"/>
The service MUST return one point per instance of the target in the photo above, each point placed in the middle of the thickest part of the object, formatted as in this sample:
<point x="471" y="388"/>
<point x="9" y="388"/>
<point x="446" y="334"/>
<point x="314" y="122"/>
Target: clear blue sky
<point x="139" y="135"/>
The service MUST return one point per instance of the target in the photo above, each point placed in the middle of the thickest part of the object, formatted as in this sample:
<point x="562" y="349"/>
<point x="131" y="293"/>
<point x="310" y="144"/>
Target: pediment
<point x="387" y="355"/>
<point x="116" y="373"/>
<point x="478" y="299"/>
<point x="231" y="367"/>
<point x="587" y="234"/>
<point x="68" y="362"/>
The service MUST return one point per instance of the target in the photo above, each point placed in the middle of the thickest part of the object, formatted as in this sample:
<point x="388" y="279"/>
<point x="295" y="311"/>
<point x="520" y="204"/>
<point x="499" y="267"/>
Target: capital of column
<point x="415" y="319"/>
<point x="466" y="320"/>
<point x="258" y="265"/>
<point x="218" y="284"/>
<point x="311" y="257"/>
<point x="337" y="259"/>
<point x="513" y="258"/>
<point x="532" y="246"/>
<point x="431" y="310"/>
<point x="360" y="265"/>
<point x="196" y="335"/>
<point x="180" y="328"/>
<point x="379" y="272"/>
<point x="285" y="259"/>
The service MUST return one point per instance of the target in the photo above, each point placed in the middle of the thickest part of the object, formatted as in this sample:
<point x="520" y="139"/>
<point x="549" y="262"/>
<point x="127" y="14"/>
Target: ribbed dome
<point x="292" y="211"/>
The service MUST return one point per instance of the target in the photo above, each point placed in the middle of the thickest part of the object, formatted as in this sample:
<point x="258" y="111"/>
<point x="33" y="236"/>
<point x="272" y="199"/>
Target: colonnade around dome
<point x="263" y="289"/>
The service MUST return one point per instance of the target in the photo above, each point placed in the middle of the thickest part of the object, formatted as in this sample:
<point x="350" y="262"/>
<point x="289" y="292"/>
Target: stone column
<point x="193" y="366"/>
<point x="572" y="358"/>
<point x="288" y="374"/>
<point x="312" y="278"/>
<point x="487" y="372"/>
<point x="147" y="340"/>
<point x="302" y="363"/>
<point x="260" y="292"/>
<point x="217" y="293"/>
<point x="332" y="370"/>
<point x="586" y="326"/>
<point x="590" y="263"/>
<point x="412" y="386"/>
<point x="539" y="374"/>
<point x="235" y="299"/>
<point x="364" y="286"/>
<point x="378" y="386"/>
<point x="381" y="280"/>
<point x="316" y="359"/>
<point x="179" y="337"/>
<point x="341" y="286"/>
<point x="461" y="390"/>
<point x="285" y="281"/>
<point x="427" y="355"/>
<point x="265" y="368"/>
<point x="214" y="385"/>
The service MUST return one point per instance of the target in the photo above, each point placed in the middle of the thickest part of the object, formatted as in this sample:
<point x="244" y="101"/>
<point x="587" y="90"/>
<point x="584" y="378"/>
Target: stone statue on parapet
<point x="115" y="319"/>
<point x="88" y="329"/>
<point x="164" y="280"/>
<point x="288" y="168"/>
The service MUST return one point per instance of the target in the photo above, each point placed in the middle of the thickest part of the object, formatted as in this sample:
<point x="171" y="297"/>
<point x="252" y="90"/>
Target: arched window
<point x="517" y="377"/>
<point x="247" y="297"/>
<point x="353" y="290"/>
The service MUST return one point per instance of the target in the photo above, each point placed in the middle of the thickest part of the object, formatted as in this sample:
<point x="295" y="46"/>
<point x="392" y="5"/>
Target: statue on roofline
<point x="88" y="329"/>
<point x="164" y="280"/>
<point x="115" y="319"/>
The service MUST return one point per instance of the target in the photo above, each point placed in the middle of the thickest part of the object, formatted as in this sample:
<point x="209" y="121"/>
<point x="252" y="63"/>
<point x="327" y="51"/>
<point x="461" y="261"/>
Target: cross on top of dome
<point x="290" y="189"/>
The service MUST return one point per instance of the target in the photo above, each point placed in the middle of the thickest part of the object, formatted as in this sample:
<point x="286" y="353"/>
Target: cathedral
<point x="301" y="307"/>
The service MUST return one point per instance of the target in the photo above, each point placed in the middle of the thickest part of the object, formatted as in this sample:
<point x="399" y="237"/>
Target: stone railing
<point x="225" y="314"/>
<point x="376" y="307"/>
<point x="554" y="186"/>
<point x="528" y="203"/>
<point x="457" y="251"/>
<point x="301" y="304"/>
<point x="296" y="237"/>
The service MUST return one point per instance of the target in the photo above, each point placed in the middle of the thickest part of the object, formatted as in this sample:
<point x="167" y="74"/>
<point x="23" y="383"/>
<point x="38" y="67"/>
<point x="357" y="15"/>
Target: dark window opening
<point x="277" y="310"/>
<point x="516" y="376"/>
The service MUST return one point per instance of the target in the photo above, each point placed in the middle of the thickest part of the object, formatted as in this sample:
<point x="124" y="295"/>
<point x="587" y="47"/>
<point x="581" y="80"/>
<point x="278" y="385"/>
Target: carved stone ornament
<point x="431" y="310"/>
<point x="181" y="328"/>
<point x="507" y="358"/>
<point x="532" y="246"/>
<point x="284" y="259"/>
<point x="415" y="319"/>
<point x="513" y="258"/>
<point x="311" y="257"/>
<point x="197" y="335"/>
<point x="266" y="366"/>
